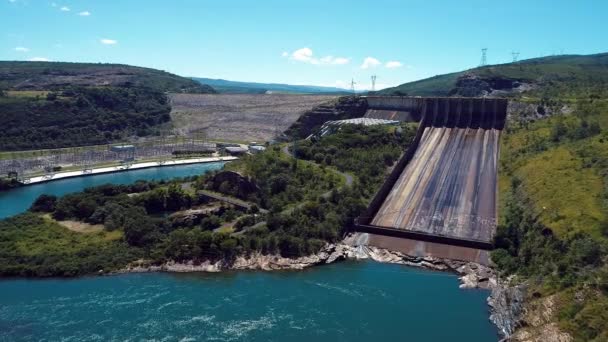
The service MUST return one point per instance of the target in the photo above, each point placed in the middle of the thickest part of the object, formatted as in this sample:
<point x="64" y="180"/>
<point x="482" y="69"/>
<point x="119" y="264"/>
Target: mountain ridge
<point x="239" y="87"/>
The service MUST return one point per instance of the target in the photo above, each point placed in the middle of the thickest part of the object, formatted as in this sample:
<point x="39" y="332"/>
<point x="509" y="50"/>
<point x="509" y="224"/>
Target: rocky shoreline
<point x="505" y="302"/>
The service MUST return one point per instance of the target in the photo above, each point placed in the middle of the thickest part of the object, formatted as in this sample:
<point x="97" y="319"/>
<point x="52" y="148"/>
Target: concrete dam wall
<point x="444" y="189"/>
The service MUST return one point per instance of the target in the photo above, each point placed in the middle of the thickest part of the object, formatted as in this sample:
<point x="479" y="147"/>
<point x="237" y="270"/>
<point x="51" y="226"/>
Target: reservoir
<point x="348" y="301"/>
<point x="19" y="200"/>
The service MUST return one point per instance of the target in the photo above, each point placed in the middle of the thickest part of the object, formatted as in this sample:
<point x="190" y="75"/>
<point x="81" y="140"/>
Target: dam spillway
<point x="449" y="186"/>
<point x="441" y="197"/>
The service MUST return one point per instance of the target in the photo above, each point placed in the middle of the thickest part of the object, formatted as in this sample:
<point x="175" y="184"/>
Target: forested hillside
<point x="51" y="104"/>
<point x="79" y="116"/>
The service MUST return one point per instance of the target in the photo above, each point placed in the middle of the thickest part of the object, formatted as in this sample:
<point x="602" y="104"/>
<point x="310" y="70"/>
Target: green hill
<point x="235" y="87"/>
<point x="53" y="104"/>
<point x="566" y="75"/>
<point x="59" y="75"/>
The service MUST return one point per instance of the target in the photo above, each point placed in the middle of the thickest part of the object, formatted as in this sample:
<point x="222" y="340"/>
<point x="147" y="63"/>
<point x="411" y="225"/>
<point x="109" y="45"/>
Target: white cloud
<point x="302" y="55"/>
<point x="370" y="62"/>
<point x="285" y="54"/>
<point x="64" y="9"/>
<point x="84" y="13"/>
<point x="305" y="55"/>
<point x="21" y="49"/>
<point x="393" y="64"/>
<point x="106" y="41"/>
<point x="39" y="59"/>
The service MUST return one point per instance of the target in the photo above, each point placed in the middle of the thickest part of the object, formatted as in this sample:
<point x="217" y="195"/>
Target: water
<point x="350" y="301"/>
<point x="19" y="200"/>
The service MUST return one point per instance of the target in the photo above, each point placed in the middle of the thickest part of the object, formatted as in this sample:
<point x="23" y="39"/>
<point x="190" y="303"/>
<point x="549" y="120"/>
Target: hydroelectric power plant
<point x="441" y="197"/>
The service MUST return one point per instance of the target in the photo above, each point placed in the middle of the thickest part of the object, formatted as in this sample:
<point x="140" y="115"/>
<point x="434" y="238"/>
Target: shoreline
<point x="123" y="168"/>
<point x="505" y="302"/>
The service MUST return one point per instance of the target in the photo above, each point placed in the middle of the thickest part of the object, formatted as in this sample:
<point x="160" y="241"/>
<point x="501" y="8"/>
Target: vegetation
<point x="554" y="221"/>
<point x="306" y="205"/>
<point x="364" y="151"/>
<point x="31" y="245"/>
<point x="54" y="76"/>
<point x="80" y="116"/>
<point x="50" y="104"/>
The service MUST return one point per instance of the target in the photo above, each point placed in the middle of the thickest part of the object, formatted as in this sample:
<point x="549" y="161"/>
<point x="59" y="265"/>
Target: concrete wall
<point x="441" y="111"/>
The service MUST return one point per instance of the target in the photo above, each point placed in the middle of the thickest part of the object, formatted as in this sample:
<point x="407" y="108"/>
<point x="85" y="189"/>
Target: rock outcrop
<point x="232" y="183"/>
<point x="472" y="85"/>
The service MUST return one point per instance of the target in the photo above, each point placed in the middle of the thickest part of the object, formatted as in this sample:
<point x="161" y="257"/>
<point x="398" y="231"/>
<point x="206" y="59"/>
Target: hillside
<point x="566" y="75"/>
<point x="59" y="75"/>
<point x="52" y="104"/>
<point x="235" y="87"/>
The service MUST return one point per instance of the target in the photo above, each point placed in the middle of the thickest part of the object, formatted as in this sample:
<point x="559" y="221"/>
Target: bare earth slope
<point x="240" y="117"/>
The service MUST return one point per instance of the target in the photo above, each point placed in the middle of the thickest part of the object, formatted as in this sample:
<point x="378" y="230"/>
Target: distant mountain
<point x="59" y="75"/>
<point x="546" y="76"/>
<point x="235" y="87"/>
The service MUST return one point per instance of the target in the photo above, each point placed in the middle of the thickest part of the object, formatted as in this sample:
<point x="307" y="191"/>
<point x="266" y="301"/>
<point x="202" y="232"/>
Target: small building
<point x="235" y="151"/>
<point x="254" y="149"/>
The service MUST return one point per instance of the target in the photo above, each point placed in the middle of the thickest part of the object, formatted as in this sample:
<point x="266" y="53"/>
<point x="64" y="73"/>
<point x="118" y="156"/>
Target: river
<point x="19" y="200"/>
<point x="348" y="301"/>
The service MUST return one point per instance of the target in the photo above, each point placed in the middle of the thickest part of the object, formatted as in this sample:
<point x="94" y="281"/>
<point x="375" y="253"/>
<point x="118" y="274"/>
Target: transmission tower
<point x="515" y="56"/>
<point x="352" y="86"/>
<point x="483" y="57"/>
<point x="374" y="82"/>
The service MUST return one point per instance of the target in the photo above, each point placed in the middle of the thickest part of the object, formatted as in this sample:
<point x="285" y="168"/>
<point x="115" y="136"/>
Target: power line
<point x="515" y="56"/>
<point x="484" y="52"/>
<point x="374" y="82"/>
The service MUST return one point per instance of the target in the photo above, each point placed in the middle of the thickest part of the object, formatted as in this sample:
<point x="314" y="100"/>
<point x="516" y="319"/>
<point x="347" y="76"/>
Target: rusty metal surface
<point x="449" y="186"/>
<point x="423" y="248"/>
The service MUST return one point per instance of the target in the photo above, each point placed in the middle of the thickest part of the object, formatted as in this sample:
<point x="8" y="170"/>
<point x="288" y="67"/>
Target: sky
<point x="317" y="42"/>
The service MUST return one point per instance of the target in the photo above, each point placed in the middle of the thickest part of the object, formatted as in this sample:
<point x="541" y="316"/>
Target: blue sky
<point x="301" y="42"/>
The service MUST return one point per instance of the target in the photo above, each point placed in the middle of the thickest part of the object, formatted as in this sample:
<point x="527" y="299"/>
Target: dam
<point x="441" y="197"/>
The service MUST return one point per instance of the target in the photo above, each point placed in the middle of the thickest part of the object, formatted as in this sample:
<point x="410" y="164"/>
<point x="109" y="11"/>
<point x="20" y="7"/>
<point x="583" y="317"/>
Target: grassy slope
<point x="564" y="180"/>
<point x="562" y="74"/>
<point x="44" y="76"/>
<point x="43" y="247"/>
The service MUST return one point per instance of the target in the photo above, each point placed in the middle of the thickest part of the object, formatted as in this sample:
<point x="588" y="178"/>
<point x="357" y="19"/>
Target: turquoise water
<point x="349" y="301"/>
<point x="19" y="200"/>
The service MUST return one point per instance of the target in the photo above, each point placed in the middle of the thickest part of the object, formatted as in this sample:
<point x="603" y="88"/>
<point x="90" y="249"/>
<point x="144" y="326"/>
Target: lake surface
<point x="349" y="301"/>
<point x="19" y="200"/>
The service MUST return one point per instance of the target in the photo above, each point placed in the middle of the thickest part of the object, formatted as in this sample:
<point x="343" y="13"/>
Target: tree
<point x="44" y="203"/>
<point x="558" y="131"/>
<point x="140" y="230"/>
